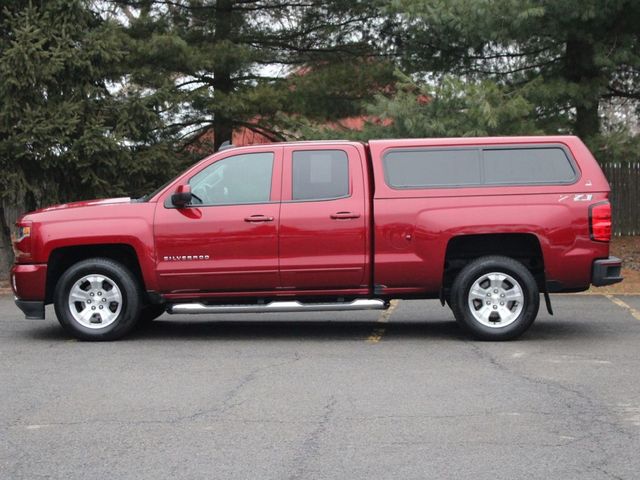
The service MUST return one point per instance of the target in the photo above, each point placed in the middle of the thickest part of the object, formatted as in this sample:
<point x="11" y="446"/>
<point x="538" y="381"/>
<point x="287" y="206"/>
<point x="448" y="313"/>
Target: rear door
<point x="323" y="218"/>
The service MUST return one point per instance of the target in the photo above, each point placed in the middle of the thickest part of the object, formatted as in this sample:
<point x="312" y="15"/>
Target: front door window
<point x="235" y="180"/>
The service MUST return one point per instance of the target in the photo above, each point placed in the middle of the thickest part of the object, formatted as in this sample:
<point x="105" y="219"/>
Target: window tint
<point x="527" y="165"/>
<point x="432" y="168"/>
<point x="320" y="174"/>
<point x="238" y="179"/>
<point x="477" y="166"/>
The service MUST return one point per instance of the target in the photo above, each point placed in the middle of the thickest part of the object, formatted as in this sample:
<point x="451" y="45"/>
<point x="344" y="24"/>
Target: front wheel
<point x="97" y="299"/>
<point x="495" y="298"/>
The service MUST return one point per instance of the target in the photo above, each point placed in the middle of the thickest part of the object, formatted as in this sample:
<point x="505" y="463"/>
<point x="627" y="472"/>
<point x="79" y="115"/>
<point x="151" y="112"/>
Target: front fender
<point x="131" y="226"/>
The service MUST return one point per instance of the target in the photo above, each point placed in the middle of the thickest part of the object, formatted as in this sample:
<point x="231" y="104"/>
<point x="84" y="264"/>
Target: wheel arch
<point x="523" y="247"/>
<point x="62" y="258"/>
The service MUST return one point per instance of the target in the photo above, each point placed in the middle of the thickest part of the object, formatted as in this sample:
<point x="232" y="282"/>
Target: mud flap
<point x="547" y="301"/>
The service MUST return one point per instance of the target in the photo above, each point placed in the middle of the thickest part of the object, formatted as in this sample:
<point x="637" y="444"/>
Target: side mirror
<point x="182" y="196"/>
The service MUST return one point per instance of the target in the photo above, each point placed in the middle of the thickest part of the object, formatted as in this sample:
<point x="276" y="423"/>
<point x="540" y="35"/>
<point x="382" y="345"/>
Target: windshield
<point x="148" y="196"/>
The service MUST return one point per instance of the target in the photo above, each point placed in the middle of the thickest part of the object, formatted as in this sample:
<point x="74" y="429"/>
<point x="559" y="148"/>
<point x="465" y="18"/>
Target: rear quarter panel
<point x="413" y="227"/>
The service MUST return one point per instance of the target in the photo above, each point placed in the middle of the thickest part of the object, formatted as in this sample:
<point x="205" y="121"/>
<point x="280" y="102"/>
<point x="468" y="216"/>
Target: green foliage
<point x="453" y="108"/>
<point x="63" y="133"/>
<point x="228" y="64"/>
<point x="616" y="146"/>
<point x="576" y="52"/>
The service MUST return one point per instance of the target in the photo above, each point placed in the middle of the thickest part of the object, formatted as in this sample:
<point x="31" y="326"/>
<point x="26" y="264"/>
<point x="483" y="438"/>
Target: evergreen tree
<point x="577" y="52"/>
<point x="256" y="64"/>
<point x="450" y="108"/>
<point x="66" y="130"/>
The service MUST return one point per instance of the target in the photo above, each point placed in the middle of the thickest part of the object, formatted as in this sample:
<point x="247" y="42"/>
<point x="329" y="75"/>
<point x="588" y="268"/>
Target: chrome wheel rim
<point x="95" y="301"/>
<point x="496" y="300"/>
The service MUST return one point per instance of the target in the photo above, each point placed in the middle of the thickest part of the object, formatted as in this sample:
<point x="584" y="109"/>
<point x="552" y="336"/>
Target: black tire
<point x="118" y="282"/>
<point x="471" y="312"/>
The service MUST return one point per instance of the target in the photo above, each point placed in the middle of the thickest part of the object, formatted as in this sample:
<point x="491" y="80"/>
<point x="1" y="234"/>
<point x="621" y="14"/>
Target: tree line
<point x="112" y="97"/>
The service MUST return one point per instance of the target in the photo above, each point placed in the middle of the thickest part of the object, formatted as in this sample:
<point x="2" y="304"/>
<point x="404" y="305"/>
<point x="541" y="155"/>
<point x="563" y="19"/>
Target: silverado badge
<point x="178" y="258"/>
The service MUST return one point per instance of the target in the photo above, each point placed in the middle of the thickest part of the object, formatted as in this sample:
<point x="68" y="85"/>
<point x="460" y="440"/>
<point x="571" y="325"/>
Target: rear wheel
<point x="97" y="299"/>
<point x="495" y="298"/>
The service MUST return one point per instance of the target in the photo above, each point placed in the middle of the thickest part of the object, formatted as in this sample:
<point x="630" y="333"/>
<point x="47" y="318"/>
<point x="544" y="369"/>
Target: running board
<point x="279" y="307"/>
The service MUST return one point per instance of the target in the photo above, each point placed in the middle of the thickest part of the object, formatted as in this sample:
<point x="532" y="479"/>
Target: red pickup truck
<point x="485" y="225"/>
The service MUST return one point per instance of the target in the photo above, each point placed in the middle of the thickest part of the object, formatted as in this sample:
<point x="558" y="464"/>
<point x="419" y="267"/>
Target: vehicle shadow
<point x="295" y="330"/>
<point x="333" y="330"/>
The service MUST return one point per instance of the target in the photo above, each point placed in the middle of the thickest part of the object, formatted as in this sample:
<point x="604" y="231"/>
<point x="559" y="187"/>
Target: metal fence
<point x="624" y="179"/>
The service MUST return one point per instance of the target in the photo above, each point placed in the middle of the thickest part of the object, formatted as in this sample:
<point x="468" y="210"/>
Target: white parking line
<point x="635" y="313"/>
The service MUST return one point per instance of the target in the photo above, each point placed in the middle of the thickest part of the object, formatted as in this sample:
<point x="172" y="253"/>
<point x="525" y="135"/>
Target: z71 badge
<point x="179" y="258"/>
<point x="578" y="197"/>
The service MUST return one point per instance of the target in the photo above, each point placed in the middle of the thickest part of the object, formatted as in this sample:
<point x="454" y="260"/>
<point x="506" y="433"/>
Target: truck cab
<point x="268" y="219"/>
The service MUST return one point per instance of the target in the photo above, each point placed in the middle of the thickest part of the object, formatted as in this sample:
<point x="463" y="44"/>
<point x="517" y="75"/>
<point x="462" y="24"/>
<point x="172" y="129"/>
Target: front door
<point x="323" y="232"/>
<point x="227" y="239"/>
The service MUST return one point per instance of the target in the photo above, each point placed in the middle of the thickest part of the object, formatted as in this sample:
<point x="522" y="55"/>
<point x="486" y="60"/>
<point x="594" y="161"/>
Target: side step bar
<point x="279" y="307"/>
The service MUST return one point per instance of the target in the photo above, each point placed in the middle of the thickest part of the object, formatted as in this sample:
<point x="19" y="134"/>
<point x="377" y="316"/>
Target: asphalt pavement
<point x="398" y="395"/>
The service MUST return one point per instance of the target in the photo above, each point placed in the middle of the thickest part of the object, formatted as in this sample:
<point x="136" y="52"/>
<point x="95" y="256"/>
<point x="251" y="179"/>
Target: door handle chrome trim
<point x="258" y="218"/>
<point x="345" y="215"/>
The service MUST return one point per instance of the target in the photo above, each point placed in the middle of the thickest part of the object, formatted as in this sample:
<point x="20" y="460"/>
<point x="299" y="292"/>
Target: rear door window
<point x="320" y="175"/>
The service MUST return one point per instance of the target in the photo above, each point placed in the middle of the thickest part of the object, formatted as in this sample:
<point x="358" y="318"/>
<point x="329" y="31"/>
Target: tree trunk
<point x="6" y="249"/>
<point x="580" y="68"/>
<point x="222" y="81"/>
<point x="587" y="120"/>
<point x="222" y="132"/>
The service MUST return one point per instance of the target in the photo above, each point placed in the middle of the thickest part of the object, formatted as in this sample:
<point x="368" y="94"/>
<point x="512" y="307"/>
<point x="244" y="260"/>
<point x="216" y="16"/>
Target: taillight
<point x="600" y="221"/>
<point x="21" y="240"/>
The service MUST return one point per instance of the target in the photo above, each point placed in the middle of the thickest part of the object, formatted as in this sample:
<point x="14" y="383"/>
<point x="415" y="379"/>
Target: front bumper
<point x="29" y="283"/>
<point x="29" y="280"/>
<point x="606" y="271"/>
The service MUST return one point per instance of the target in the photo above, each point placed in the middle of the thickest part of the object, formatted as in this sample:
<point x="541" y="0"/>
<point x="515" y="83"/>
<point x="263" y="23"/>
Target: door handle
<point x="258" y="218"/>
<point x="345" y="215"/>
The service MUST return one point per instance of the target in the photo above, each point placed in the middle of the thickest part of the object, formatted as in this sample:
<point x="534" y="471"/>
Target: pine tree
<point x="577" y="53"/>
<point x="256" y="64"/>
<point x="66" y="130"/>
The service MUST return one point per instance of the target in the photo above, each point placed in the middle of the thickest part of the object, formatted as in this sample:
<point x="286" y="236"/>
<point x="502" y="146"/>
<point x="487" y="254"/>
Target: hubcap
<point x="496" y="299"/>
<point x="95" y="301"/>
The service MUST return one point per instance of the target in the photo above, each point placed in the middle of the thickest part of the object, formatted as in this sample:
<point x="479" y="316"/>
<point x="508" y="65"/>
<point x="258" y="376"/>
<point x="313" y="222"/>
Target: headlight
<point x="23" y="232"/>
<point x="21" y="240"/>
